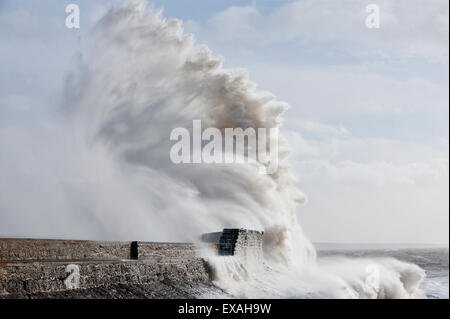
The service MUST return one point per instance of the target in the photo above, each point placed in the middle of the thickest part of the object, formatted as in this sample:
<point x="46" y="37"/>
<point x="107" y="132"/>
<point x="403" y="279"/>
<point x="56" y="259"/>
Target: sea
<point x="433" y="260"/>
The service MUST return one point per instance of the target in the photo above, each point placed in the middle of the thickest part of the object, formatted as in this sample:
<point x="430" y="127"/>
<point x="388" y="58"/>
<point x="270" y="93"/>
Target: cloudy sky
<point x="368" y="121"/>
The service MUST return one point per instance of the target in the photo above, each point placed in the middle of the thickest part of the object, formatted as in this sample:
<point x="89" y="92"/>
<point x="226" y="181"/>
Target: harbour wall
<point x="43" y="267"/>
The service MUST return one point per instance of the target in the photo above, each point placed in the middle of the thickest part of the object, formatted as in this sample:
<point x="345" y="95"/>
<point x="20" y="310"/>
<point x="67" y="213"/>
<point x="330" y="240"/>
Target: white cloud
<point x="366" y="150"/>
<point x="372" y="190"/>
<point x="369" y="85"/>
<point x="408" y="28"/>
<point x="375" y="202"/>
<point x="383" y="84"/>
<point x="359" y="97"/>
<point x="316" y="127"/>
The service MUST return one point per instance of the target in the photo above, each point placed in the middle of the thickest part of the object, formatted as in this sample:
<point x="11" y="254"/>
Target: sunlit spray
<point x="105" y="170"/>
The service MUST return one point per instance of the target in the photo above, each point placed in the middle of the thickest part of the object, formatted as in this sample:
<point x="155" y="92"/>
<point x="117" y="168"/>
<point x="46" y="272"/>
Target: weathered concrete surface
<point x="35" y="277"/>
<point x="156" y="290"/>
<point x="17" y="249"/>
<point x="157" y="251"/>
<point x="12" y="249"/>
<point x="42" y="268"/>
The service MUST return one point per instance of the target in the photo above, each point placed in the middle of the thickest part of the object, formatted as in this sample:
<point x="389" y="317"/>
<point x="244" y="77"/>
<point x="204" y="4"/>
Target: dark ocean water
<point x="433" y="260"/>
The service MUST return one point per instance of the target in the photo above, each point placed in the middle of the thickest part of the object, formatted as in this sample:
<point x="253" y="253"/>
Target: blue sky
<point x="368" y="121"/>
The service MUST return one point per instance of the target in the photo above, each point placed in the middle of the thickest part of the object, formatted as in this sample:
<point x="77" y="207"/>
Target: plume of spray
<point x="142" y="78"/>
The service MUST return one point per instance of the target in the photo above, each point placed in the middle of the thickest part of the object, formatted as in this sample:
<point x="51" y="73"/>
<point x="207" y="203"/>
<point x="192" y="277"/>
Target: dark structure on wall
<point x="236" y="242"/>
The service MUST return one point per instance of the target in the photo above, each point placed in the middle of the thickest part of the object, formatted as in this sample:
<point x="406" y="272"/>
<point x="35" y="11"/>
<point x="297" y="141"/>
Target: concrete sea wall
<point x="13" y="249"/>
<point x="73" y="268"/>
